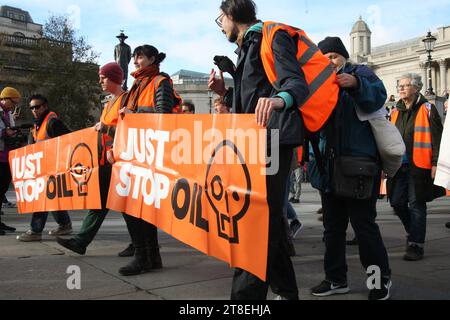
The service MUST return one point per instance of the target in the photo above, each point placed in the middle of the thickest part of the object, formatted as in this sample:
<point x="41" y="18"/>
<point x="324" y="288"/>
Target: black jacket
<point x="55" y="126"/>
<point x="406" y="124"/>
<point x="425" y="189"/>
<point x="165" y="98"/>
<point x="251" y="83"/>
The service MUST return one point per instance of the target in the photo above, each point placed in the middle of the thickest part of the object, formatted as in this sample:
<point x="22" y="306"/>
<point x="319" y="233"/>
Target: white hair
<point x="416" y="80"/>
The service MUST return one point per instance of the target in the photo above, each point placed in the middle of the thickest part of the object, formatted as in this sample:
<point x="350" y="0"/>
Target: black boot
<point x="154" y="258"/>
<point x="140" y="264"/>
<point x="128" y="252"/>
<point x="72" y="245"/>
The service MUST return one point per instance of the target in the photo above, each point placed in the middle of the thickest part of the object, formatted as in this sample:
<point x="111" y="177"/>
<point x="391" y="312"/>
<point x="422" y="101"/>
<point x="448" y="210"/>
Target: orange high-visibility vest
<point x="319" y="74"/>
<point x="300" y="154"/>
<point x="42" y="134"/>
<point x="423" y="146"/>
<point x="109" y="117"/>
<point x="146" y="100"/>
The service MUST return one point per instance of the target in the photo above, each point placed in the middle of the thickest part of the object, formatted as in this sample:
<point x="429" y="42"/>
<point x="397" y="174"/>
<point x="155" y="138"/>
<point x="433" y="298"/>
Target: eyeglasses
<point x="219" y="20"/>
<point x="36" y="107"/>
<point x="404" y="86"/>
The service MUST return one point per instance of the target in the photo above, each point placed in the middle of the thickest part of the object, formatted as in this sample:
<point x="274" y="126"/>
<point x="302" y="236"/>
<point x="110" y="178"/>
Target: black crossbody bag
<point x="354" y="177"/>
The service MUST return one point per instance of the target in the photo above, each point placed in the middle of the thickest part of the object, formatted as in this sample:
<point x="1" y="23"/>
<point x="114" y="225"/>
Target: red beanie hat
<point x="113" y="72"/>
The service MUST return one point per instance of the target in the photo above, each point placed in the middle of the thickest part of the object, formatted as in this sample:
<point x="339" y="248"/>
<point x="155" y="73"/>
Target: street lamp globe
<point x="429" y="41"/>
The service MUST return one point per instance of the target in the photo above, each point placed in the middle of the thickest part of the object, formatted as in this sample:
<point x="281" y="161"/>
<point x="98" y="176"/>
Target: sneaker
<point x="293" y="200"/>
<point x="2" y="233"/>
<point x="6" y="228"/>
<point x="128" y="252"/>
<point x="295" y="226"/>
<point x="447" y="225"/>
<point x="326" y="288"/>
<point x="72" y="245"/>
<point x="61" y="230"/>
<point x="353" y="242"/>
<point x="29" y="236"/>
<point x="382" y="294"/>
<point x="414" y="253"/>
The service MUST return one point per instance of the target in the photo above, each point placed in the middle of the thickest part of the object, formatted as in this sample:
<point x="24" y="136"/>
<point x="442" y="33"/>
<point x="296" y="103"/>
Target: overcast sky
<point x="185" y="29"/>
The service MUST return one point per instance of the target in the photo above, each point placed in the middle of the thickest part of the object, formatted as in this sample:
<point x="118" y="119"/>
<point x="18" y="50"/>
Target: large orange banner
<point x="200" y="178"/>
<point x="57" y="174"/>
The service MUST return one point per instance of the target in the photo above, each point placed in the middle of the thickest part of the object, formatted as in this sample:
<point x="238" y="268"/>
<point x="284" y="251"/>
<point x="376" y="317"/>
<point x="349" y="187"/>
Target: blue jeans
<point x="411" y="212"/>
<point x="40" y="218"/>
<point x="288" y="210"/>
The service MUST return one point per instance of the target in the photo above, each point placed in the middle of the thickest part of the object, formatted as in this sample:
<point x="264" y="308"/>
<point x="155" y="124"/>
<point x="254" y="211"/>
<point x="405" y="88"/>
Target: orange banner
<point x="57" y="174"/>
<point x="200" y="178"/>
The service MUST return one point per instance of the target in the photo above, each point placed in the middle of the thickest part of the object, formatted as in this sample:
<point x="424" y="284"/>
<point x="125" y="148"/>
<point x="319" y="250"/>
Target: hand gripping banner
<point x="200" y="178"/>
<point x="57" y="174"/>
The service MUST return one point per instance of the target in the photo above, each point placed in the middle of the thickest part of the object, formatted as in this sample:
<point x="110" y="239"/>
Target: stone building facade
<point x="391" y="61"/>
<point x="193" y="86"/>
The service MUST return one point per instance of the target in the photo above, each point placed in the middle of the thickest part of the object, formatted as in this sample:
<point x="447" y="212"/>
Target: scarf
<point x="143" y="78"/>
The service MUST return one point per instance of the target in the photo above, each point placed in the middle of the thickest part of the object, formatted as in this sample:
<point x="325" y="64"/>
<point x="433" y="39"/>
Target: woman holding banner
<point x="111" y="77"/>
<point x="152" y="92"/>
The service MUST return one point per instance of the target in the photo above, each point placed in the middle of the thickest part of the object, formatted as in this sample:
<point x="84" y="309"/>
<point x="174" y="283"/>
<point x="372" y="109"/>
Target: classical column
<point x="443" y="74"/>
<point x="424" y="68"/>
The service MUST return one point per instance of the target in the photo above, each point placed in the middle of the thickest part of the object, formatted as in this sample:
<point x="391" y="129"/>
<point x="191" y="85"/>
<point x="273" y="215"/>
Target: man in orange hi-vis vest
<point x="47" y="126"/>
<point x="110" y="79"/>
<point x="270" y="81"/>
<point x="412" y="187"/>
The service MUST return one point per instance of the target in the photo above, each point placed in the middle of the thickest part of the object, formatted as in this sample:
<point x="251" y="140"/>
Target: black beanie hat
<point x="333" y="44"/>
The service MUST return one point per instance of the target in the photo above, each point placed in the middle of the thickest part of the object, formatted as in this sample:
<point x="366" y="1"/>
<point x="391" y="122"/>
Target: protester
<point x="349" y="143"/>
<point x="220" y="107"/>
<point x="47" y="126"/>
<point x="152" y="92"/>
<point x="254" y="94"/>
<point x="412" y="187"/>
<point x="443" y="168"/>
<point x="9" y="99"/>
<point x="110" y="79"/>
<point x="187" y="107"/>
<point x="296" y="178"/>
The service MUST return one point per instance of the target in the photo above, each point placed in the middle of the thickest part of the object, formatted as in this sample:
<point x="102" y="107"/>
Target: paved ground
<point x="39" y="270"/>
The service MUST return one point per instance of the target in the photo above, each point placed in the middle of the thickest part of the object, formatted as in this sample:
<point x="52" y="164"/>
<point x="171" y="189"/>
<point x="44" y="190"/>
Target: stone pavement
<point x="39" y="270"/>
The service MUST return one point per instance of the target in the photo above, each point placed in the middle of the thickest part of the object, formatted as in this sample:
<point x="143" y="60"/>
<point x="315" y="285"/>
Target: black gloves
<point x="225" y="64"/>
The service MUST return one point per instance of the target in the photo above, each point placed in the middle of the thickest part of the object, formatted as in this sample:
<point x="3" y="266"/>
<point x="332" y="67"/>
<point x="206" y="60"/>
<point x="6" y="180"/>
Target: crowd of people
<point x="345" y="142"/>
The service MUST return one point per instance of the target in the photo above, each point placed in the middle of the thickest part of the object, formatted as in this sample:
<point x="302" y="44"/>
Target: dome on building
<point x="361" y="26"/>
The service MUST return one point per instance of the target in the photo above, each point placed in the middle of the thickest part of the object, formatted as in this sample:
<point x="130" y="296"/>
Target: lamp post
<point x="210" y="96"/>
<point x="429" y="42"/>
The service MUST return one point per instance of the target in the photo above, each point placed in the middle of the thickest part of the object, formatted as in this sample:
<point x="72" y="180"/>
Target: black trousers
<point x="5" y="179"/>
<point x="362" y="215"/>
<point x="280" y="271"/>
<point x="142" y="233"/>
